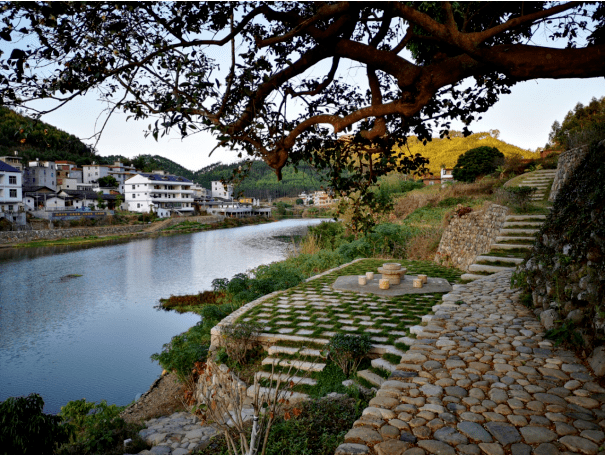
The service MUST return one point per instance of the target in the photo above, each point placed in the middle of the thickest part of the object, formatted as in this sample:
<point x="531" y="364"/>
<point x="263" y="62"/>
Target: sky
<point x="524" y="119"/>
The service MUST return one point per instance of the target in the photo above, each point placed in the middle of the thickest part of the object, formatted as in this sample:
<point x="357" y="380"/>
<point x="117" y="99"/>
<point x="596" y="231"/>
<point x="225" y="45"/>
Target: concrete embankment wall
<point x="470" y="235"/>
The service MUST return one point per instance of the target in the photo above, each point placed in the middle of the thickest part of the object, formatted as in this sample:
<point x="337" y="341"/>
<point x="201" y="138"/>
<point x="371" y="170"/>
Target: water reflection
<point x="91" y="336"/>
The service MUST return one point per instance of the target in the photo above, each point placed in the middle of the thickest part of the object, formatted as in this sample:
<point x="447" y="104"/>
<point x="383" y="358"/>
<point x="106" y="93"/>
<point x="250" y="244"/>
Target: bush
<point x="347" y="351"/>
<point x="478" y="161"/>
<point x="385" y="240"/>
<point x="99" y="429"/>
<point x="520" y="196"/>
<point x="238" y="338"/>
<point x="328" y="234"/>
<point x="181" y="353"/>
<point x="25" y="429"/>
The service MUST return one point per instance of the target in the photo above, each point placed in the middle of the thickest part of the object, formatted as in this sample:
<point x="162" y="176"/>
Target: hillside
<point x="148" y="163"/>
<point x="445" y="152"/>
<point x="33" y="139"/>
<point x="262" y="182"/>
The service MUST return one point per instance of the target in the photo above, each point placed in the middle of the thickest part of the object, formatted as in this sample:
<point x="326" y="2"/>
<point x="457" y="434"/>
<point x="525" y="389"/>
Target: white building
<point x="93" y="172"/>
<point x="41" y="173"/>
<point x="447" y="174"/>
<point x="219" y="190"/>
<point x="162" y="194"/>
<point x="11" y="191"/>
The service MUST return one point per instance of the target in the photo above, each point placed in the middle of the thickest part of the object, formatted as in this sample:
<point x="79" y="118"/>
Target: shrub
<point x="347" y="351"/>
<point x="99" y="429"/>
<point x="25" y="429"/>
<point x="328" y="235"/>
<point x="238" y="338"/>
<point x="385" y="240"/>
<point x="520" y="196"/>
<point x="478" y="161"/>
<point x="181" y="353"/>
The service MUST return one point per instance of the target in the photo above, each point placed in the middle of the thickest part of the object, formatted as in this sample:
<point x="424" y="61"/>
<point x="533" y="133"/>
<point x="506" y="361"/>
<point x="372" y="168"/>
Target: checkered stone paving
<point x="299" y="322"/>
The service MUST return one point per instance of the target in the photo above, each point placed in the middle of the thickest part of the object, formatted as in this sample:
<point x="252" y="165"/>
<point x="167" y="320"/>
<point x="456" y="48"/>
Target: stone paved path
<point x="481" y="379"/>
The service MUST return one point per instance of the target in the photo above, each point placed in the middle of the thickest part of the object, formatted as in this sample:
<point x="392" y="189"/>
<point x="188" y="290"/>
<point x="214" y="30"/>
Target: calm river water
<point x="91" y="336"/>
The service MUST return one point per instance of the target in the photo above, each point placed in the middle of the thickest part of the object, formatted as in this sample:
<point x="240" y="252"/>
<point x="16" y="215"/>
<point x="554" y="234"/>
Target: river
<point x="91" y="336"/>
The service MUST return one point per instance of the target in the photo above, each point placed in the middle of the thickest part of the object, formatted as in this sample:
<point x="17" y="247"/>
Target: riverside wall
<point x="55" y="234"/>
<point x="470" y="235"/>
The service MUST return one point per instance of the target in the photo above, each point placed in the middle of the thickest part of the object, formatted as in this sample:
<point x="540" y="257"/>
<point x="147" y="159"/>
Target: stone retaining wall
<point x="54" y="234"/>
<point x="470" y="235"/>
<point x="568" y="161"/>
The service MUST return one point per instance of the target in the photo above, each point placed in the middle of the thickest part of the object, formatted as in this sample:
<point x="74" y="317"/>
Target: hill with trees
<point x="261" y="181"/>
<point x="32" y="139"/>
<point x="445" y="152"/>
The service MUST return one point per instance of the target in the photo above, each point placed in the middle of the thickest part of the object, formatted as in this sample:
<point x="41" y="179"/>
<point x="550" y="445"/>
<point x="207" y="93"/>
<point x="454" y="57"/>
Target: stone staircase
<point x="541" y="180"/>
<point x="512" y="243"/>
<point x="517" y="234"/>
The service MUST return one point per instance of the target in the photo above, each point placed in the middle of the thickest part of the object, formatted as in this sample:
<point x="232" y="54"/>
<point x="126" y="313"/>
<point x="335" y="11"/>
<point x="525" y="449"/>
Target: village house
<point x="219" y="190"/>
<point x="93" y="172"/>
<point x="40" y="173"/>
<point x="14" y="161"/>
<point x="11" y="195"/>
<point x="159" y="193"/>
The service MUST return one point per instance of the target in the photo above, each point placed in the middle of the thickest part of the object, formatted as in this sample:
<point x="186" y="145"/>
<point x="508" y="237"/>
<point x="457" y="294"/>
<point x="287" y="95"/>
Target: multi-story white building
<point x="219" y="190"/>
<point x="11" y="191"/>
<point x="93" y="172"/>
<point x="41" y="173"/>
<point x="14" y="161"/>
<point x="162" y="194"/>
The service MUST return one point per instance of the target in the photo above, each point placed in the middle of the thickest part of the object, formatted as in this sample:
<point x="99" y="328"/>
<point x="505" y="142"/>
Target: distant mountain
<point x="33" y="139"/>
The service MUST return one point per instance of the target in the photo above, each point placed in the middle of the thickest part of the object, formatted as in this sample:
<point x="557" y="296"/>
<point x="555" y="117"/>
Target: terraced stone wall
<point x="568" y="162"/>
<point x="470" y="235"/>
<point x="565" y="272"/>
<point x="54" y="234"/>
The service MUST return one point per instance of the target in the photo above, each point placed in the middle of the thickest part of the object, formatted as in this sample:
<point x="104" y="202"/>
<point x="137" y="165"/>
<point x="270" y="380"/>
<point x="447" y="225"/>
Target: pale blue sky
<point x="524" y="119"/>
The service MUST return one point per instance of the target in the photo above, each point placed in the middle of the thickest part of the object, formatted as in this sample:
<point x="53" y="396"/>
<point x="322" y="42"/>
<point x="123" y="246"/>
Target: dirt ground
<point x="164" y="397"/>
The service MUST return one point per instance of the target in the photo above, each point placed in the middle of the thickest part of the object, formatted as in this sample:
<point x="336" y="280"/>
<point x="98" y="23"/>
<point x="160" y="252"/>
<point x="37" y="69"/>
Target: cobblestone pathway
<point x="481" y="379"/>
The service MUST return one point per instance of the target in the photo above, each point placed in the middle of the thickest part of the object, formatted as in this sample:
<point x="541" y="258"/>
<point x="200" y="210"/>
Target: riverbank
<point x="96" y="235"/>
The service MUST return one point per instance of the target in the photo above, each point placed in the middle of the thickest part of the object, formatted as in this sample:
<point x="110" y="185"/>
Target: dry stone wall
<point x="54" y="234"/>
<point x="568" y="162"/>
<point x="470" y="235"/>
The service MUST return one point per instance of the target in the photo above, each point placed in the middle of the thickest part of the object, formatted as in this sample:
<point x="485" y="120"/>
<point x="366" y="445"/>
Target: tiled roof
<point x="8" y="168"/>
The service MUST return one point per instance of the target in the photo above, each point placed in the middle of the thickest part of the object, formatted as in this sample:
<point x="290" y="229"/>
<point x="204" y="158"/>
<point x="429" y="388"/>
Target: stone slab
<point x="350" y="283"/>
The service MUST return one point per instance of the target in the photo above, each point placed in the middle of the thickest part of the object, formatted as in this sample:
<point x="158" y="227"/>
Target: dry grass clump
<point x="433" y="196"/>
<point x="423" y="246"/>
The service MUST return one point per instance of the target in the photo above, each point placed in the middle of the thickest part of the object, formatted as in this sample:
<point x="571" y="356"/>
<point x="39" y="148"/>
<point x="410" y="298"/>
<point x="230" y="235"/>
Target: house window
<point x="138" y="206"/>
<point x="12" y="180"/>
<point x="133" y="186"/>
<point x="13" y="193"/>
<point x="10" y="208"/>
<point x="134" y="196"/>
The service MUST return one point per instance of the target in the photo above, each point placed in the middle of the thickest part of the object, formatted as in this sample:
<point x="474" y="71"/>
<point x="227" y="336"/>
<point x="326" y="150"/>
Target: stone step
<point x="505" y="231"/>
<point x="269" y="394"/>
<point x="504" y="238"/>
<point x="471" y="276"/>
<point x="501" y="259"/>
<point x="282" y="350"/>
<point x="524" y="217"/>
<point x="372" y="378"/>
<point x="488" y="268"/>
<point x="511" y="224"/>
<point x="384" y="364"/>
<point x="511" y="246"/>
<point x="298" y="364"/>
<point x="285" y="378"/>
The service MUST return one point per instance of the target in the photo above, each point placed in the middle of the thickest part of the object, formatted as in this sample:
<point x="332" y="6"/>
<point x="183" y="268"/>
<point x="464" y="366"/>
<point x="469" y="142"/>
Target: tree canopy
<point x="476" y="162"/>
<point x="579" y="126"/>
<point x="274" y="79"/>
